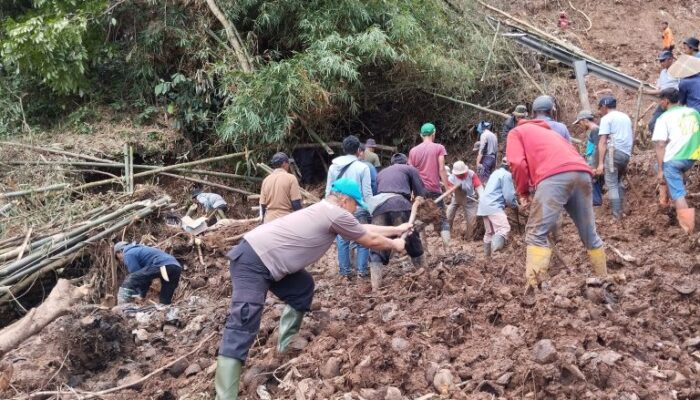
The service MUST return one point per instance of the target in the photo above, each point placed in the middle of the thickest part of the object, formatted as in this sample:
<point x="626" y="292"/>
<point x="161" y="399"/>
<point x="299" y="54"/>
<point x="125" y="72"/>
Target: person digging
<point x="498" y="194"/>
<point x="214" y="205"/>
<point x="273" y="257"/>
<point x="677" y="143"/>
<point x="469" y="189"/>
<point x="145" y="264"/>
<point x="562" y="181"/>
<point x="392" y="207"/>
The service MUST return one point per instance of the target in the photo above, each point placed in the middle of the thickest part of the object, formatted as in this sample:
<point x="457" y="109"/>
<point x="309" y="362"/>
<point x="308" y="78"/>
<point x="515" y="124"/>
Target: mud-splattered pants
<point x="251" y="280"/>
<point x="139" y="282"/>
<point x="460" y="200"/>
<point x="570" y="191"/>
<point x="444" y="225"/>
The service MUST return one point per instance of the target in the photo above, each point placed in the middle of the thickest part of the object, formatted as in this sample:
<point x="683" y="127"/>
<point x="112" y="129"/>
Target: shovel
<point x="375" y="270"/>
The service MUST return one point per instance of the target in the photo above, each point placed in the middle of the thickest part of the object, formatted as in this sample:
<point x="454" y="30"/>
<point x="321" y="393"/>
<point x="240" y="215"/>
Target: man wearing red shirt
<point x="561" y="179"/>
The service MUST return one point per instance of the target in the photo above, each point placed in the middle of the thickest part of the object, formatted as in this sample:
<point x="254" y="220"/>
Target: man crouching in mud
<point x="540" y="157"/>
<point x="273" y="257"/>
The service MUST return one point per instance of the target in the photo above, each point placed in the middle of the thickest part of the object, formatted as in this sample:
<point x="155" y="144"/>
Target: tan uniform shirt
<point x="277" y="193"/>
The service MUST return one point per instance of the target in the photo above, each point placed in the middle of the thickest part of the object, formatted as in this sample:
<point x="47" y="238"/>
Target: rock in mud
<point x="400" y="344"/>
<point x="393" y="393"/>
<point x="443" y="381"/>
<point x="544" y="352"/>
<point x="193" y="369"/>
<point x="331" y="368"/>
<point x="178" y="368"/>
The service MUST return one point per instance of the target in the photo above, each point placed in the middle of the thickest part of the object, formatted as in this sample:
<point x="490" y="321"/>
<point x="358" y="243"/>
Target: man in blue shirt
<point x="498" y="194"/>
<point x="144" y="265"/>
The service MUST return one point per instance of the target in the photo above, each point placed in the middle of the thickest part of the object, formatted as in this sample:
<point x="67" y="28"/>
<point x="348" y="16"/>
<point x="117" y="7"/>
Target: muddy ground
<point x="460" y="327"/>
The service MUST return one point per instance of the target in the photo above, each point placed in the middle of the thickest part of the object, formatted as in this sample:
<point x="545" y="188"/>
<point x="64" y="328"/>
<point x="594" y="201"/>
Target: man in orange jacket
<point x="561" y="182"/>
<point x="667" y="36"/>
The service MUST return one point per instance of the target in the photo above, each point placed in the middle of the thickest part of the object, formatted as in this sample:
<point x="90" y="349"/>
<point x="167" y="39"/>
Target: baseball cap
<point x="607" y="101"/>
<point x="520" y="111"/>
<point x="543" y="103"/>
<point x="279" y="159"/>
<point x="427" y="129"/>
<point x="664" y="55"/>
<point x="349" y="188"/>
<point x="119" y="246"/>
<point x="692" y="42"/>
<point x="584" y="114"/>
<point x="196" y="191"/>
<point x="370" y="143"/>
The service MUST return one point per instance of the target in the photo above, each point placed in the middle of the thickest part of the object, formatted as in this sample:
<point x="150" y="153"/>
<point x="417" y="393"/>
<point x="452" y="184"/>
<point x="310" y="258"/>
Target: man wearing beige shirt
<point x="280" y="194"/>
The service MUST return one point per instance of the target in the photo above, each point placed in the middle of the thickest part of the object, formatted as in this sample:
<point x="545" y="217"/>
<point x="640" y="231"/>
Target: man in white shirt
<point x="665" y="81"/>
<point x="615" y="141"/>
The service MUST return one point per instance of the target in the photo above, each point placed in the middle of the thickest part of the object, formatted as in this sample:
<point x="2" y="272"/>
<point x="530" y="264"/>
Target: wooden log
<point x="162" y="169"/>
<point x="212" y="184"/>
<point x="50" y="188"/>
<point x="59" y="302"/>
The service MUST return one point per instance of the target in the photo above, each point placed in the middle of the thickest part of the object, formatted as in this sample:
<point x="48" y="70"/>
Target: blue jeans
<point x="613" y="179"/>
<point x="345" y="247"/>
<point x="673" y="173"/>
<point x="598" y="183"/>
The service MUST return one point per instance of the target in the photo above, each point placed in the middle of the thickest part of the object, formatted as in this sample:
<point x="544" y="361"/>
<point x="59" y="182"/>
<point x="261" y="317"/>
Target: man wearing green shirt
<point x="677" y="144"/>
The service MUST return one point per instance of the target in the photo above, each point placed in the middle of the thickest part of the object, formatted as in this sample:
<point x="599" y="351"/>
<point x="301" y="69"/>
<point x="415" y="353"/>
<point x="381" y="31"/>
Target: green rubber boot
<point x="290" y="322"/>
<point x="228" y="377"/>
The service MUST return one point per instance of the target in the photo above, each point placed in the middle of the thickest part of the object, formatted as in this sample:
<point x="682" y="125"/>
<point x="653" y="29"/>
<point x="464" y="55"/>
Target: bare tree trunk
<point x="233" y="37"/>
<point x="60" y="300"/>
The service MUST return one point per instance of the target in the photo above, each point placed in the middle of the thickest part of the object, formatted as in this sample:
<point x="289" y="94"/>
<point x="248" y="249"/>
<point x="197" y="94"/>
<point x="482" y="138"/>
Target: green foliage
<point x="52" y="43"/>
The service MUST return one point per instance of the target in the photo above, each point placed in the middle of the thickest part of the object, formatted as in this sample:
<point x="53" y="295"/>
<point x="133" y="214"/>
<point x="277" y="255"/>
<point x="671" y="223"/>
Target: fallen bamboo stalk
<point x="493" y="44"/>
<point x="472" y="105"/>
<point x="55" y="261"/>
<point x="137" y="166"/>
<point x="303" y="191"/>
<point x="79" y="231"/>
<point x="24" y="244"/>
<point x="203" y="182"/>
<point x="56" y="151"/>
<point x="50" y="188"/>
<point x="392" y="149"/>
<point x="162" y="169"/>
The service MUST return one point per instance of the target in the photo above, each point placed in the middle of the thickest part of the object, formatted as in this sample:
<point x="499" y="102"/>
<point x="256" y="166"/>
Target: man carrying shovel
<point x="273" y="257"/>
<point x="392" y="207"/>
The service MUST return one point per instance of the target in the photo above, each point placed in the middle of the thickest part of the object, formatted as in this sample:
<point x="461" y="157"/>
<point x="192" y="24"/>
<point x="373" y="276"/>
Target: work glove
<point x="479" y="169"/>
<point x="192" y="208"/>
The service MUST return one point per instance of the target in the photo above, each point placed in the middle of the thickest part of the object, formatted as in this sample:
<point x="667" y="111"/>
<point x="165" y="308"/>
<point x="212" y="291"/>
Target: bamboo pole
<point x="56" y="151"/>
<point x="52" y="262"/>
<point x="392" y="149"/>
<point x="59" y="241"/>
<point x="126" y="167"/>
<point x="478" y="107"/>
<point x="131" y="169"/>
<point x="138" y="166"/>
<point x="203" y="182"/>
<point x="303" y="191"/>
<point x="50" y="188"/>
<point x="162" y="169"/>
<point x="493" y="44"/>
<point x="24" y="244"/>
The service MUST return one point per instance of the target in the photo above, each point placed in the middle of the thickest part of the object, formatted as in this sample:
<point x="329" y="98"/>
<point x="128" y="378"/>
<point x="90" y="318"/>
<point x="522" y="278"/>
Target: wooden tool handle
<point x="414" y="213"/>
<point x="447" y="193"/>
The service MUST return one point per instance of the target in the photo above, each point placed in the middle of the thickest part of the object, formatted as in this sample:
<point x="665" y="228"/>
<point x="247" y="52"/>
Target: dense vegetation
<point x="282" y="69"/>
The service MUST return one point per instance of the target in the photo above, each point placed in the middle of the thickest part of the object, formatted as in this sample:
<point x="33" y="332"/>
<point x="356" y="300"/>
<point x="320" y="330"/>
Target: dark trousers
<point x="652" y="122"/>
<point x="414" y="247"/>
<point x="140" y="281"/>
<point x="489" y="164"/>
<point x="251" y="280"/>
<point x="598" y="183"/>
